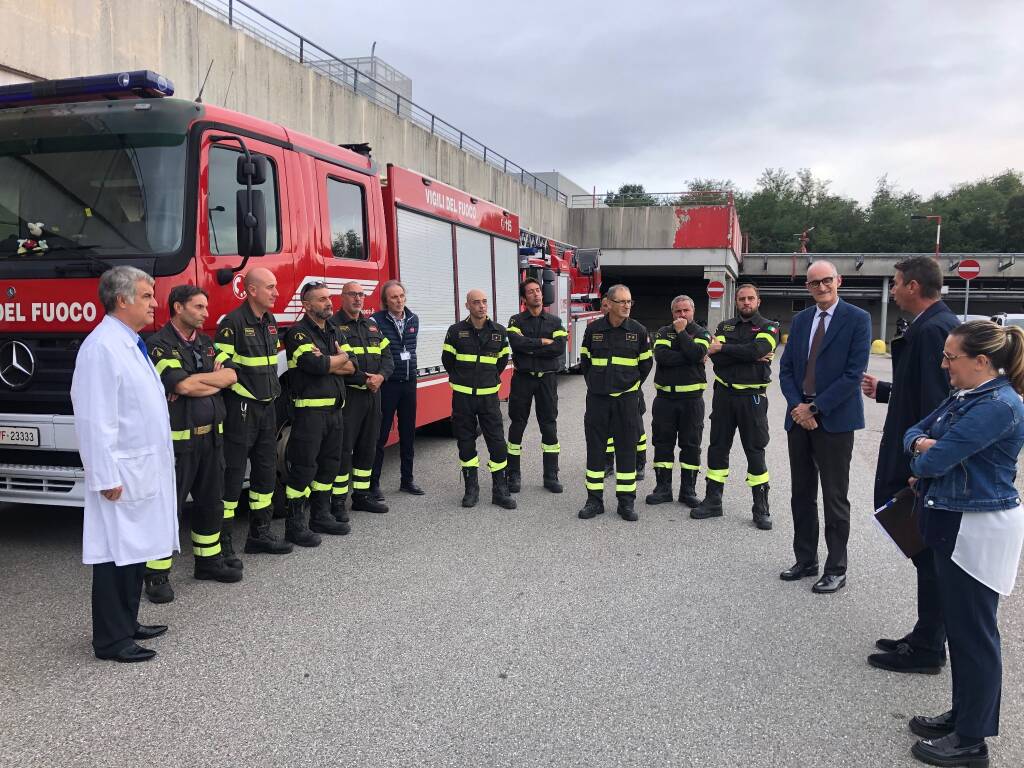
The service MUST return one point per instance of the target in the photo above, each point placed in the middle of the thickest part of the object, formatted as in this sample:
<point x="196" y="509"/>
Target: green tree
<point x="629" y="196"/>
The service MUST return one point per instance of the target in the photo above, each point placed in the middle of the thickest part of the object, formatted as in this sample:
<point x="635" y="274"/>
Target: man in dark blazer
<point x="820" y="374"/>
<point x="919" y="384"/>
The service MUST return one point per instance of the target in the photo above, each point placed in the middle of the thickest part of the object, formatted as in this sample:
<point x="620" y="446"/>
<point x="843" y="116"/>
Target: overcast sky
<point x="657" y="93"/>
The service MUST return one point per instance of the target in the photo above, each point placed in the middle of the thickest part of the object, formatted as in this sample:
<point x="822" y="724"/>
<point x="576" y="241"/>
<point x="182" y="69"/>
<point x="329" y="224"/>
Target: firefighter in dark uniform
<point x="247" y="337"/>
<point x="185" y="360"/>
<point x="317" y="362"/>
<point x="615" y="359"/>
<point x="474" y="354"/>
<point x="368" y="349"/>
<point x="741" y="353"/>
<point x="537" y="339"/>
<point x="678" y="410"/>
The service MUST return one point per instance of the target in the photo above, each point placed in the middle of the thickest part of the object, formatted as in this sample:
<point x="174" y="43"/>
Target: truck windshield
<point x="82" y="178"/>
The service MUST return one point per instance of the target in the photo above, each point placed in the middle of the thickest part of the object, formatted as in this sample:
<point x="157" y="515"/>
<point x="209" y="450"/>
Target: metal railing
<point x="253" y="22"/>
<point x="652" y="199"/>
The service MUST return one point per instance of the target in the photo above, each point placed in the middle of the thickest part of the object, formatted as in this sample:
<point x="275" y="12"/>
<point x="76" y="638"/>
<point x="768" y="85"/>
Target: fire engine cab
<point x="108" y="170"/>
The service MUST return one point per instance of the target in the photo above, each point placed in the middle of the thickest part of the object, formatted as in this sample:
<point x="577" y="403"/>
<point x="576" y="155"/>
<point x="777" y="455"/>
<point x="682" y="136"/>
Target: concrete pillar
<point x="884" y="315"/>
<point x="726" y="305"/>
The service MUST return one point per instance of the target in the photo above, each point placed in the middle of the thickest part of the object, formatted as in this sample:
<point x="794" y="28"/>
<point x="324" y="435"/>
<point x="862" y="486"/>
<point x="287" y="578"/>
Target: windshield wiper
<point x="94" y="261"/>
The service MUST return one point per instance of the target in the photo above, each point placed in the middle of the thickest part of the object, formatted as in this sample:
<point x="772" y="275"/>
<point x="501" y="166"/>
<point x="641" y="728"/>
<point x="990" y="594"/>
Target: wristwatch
<point x="813" y="409"/>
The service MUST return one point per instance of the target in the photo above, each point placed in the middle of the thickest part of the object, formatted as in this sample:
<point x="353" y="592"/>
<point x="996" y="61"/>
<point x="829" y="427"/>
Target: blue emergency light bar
<point x="121" y="85"/>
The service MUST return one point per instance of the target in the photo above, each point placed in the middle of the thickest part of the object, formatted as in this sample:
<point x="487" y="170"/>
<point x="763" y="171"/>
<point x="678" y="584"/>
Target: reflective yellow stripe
<point x="159" y="565"/>
<point x="702" y="342"/>
<point x="514" y="450"/>
<point x="641" y="444"/>
<point x="301" y="349"/>
<point x="514" y="329"/>
<point x="227" y="349"/>
<point x="253" y="362"/>
<point x="721" y="338"/>
<point x="718" y="475"/>
<point x="260" y="500"/>
<point x="206" y="551"/>
<point x="363" y="350"/>
<point x="753" y="480"/>
<point x="596" y="474"/>
<point x="634" y="388"/>
<point x="662" y="343"/>
<point x="464" y="358"/>
<point x="552" y="448"/>
<point x="222" y="357"/>
<point x="340" y="485"/>
<point x="294" y="493"/>
<point x="680" y="387"/>
<point x="321" y="487"/>
<point x="448" y="348"/>
<point x="220" y="428"/>
<point x="625" y="476"/>
<point x="229" y="509"/>
<point x="478" y="391"/>
<point x="598" y="361"/>
<point x="238" y="389"/>
<point x="181" y="434"/>
<point x="315" y="402"/>
<point x="584" y="352"/>
<point x="205" y="538"/>
<point x="646" y="355"/>
<point x="769" y="337"/>
<point x="506" y="350"/>
<point x="384" y="344"/>
<point x="694" y="467"/>
<point x="625" y="487"/>
<point x="594" y="486"/>
<point x="361" y="479"/>
<point x="741" y="386"/>
<point x="631" y="361"/>
<point x="166" y="363"/>
<point x="559" y="333"/>
<point x="663" y="465"/>
<point x="497" y="466"/>
<point x="474" y="462"/>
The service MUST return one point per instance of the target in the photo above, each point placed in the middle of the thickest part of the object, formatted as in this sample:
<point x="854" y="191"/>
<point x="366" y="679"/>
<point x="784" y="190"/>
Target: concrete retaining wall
<point x="67" y="38"/>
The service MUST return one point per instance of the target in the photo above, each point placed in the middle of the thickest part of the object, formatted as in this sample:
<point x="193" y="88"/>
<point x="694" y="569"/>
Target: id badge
<point x="405" y="355"/>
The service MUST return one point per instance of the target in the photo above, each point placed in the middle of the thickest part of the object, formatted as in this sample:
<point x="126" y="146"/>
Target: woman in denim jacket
<point x="964" y="460"/>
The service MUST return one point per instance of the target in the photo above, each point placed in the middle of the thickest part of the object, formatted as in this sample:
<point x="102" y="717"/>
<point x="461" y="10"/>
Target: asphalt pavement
<point x="438" y="636"/>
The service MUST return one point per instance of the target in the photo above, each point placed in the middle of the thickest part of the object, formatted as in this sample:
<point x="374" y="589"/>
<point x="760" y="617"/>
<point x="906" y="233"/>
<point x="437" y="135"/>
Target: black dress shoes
<point x="411" y="487"/>
<point x="933" y="727"/>
<point x="948" y="752"/>
<point x="149" y="631"/>
<point x="798" y="571"/>
<point x="129" y="654"/>
<point x="829" y="583"/>
<point x="906" y="658"/>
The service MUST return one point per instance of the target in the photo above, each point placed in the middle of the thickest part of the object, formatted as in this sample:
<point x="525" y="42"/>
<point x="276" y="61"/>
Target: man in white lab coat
<point x="124" y="437"/>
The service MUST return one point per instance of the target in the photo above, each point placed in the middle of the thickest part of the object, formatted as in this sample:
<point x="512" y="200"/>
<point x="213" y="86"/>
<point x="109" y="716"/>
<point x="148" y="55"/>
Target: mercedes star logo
<point x="17" y="365"/>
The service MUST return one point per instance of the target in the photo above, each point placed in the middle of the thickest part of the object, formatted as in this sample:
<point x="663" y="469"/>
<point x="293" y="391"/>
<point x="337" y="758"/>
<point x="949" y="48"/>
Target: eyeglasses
<point x="353" y="294"/>
<point x="312" y="286"/>
<point x="950" y="358"/>
<point x="825" y="281"/>
<point x="623" y="302"/>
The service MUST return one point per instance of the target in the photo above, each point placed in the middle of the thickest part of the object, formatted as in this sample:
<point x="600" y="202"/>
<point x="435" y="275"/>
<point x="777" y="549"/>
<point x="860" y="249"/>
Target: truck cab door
<point x="216" y="231"/>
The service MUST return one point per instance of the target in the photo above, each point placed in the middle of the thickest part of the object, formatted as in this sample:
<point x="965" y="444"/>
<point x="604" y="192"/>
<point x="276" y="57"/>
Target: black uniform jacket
<point x="744" y="342"/>
<point x="175" y="361"/>
<point x="310" y="381"/>
<point x="529" y="353"/>
<point x="680" y="360"/>
<point x="367" y="346"/>
<point x="475" y="358"/>
<point x="918" y="386"/>
<point x="615" y="360"/>
<point x="251" y="344"/>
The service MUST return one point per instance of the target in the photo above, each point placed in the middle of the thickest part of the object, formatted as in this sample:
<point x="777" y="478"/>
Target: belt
<point x="537" y="374"/>
<point x="203" y="430"/>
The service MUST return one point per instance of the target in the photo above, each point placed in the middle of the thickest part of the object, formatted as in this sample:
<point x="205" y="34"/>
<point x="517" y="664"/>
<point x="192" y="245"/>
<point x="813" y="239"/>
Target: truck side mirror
<point x="548" y="276"/>
<point x="251" y="223"/>
<point x="548" y="293"/>
<point x="254" y="166"/>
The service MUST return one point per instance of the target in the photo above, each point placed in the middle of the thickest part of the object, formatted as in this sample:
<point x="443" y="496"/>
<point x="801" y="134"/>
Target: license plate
<point x="19" y="435"/>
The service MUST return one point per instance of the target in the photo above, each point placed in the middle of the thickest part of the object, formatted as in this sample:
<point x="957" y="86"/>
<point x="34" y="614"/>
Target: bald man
<point x="248" y="337"/>
<point x="475" y="353"/>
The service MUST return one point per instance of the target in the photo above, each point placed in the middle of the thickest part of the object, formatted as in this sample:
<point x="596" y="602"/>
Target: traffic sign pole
<point x="968" y="269"/>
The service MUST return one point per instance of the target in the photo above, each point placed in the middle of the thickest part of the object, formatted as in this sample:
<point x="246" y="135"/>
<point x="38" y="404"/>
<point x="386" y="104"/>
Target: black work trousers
<point x="677" y="419"/>
<point x="359" y="442"/>
<point x="929" y="632"/>
<point x="617" y="418"/>
<point x="747" y="413"/>
<point x="250" y="433"/>
<point x="467" y="411"/>
<point x="812" y="454"/>
<point x="526" y="388"/>
<point x="199" y="471"/>
<point x="314" y="451"/>
<point x="396" y="397"/>
<point x="116" y="592"/>
<point x="975" y="656"/>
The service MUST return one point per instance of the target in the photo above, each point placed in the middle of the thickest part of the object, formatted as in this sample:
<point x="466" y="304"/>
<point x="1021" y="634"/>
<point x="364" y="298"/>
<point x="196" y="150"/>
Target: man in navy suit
<point x="820" y="376"/>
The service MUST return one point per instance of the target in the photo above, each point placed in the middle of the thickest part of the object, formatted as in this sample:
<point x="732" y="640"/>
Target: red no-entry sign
<point x="968" y="269"/>
<point x="716" y="289"/>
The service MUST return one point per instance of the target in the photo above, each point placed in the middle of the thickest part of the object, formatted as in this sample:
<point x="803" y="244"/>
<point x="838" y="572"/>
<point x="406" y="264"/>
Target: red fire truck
<point x="108" y="170"/>
<point x="572" y="282"/>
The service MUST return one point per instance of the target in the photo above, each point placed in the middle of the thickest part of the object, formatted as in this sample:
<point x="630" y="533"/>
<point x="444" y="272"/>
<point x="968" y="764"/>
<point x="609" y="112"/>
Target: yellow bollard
<point x="878" y="347"/>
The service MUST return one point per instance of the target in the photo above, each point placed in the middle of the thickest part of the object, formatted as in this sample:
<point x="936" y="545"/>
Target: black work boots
<point x="688" y="488"/>
<point x="500" y="495"/>
<point x="712" y="504"/>
<point x="321" y="519"/>
<point x="593" y="507"/>
<point x="472" y="495"/>
<point x="514" y="474"/>
<point x="762" y="518"/>
<point x="551" y="473"/>
<point x="295" y="528"/>
<point x="215" y="568"/>
<point x="662" y="488"/>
